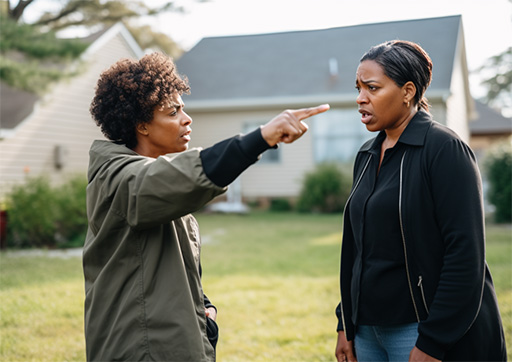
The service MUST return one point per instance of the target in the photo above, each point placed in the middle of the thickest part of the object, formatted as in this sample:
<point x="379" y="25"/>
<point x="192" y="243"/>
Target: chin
<point x="372" y="128"/>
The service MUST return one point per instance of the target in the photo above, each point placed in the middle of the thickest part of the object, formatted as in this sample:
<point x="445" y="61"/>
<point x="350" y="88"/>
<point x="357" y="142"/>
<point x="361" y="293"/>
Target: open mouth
<point x="365" y="116"/>
<point x="186" y="135"/>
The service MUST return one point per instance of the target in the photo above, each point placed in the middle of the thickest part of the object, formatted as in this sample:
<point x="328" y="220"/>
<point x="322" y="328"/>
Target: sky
<point x="487" y="23"/>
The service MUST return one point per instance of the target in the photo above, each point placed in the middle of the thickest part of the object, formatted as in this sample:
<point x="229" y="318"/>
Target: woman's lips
<point x="366" y="117"/>
<point x="186" y="135"/>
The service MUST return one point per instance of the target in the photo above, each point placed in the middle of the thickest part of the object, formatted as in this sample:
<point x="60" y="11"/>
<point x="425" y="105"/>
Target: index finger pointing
<point x="309" y="112"/>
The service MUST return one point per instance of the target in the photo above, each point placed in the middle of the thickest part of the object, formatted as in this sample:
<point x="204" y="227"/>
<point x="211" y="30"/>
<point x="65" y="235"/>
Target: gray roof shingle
<point x="296" y="64"/>
<point x="489" y="121"/>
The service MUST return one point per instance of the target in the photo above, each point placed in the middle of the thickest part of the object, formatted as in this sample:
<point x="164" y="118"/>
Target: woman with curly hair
<point x="141" y="259"/>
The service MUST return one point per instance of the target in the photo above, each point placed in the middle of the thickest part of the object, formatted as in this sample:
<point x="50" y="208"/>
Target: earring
<point x="408" y="104"/>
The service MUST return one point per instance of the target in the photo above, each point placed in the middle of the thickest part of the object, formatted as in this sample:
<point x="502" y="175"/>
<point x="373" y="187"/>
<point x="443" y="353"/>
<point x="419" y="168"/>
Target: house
<point x="52" y="135"/>
<point x="240" y="82"/>
<point x="488" y="129"/>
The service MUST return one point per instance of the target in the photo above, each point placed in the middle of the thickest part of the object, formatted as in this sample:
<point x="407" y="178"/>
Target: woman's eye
<point x="358" y="90"/>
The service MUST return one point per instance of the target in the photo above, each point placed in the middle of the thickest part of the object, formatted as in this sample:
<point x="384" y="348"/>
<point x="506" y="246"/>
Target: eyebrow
<point x="366" y="81"/>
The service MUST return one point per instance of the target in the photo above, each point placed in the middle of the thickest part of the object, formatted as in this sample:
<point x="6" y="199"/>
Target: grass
<point x="273" y="278"/>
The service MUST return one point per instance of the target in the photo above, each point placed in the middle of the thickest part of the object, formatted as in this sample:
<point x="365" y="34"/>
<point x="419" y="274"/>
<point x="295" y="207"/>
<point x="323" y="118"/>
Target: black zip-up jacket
<point x="443" y="235"/>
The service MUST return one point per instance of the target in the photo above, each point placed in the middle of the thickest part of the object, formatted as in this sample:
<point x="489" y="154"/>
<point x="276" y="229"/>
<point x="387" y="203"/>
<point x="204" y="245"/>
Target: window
<point x="338" y="135"/>
<point x="269" y="156"/>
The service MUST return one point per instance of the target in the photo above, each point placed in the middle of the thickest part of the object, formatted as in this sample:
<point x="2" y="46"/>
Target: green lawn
<point x="273" y="277"/>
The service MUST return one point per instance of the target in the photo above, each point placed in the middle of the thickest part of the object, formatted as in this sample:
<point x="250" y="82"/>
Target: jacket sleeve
<point x="147" y="192"/>
<point x="457" y="195"/>
<point x="226" y="160"/>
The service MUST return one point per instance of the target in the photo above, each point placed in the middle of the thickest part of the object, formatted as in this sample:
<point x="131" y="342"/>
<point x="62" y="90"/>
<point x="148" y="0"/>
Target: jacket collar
<point x="414" y="133"/>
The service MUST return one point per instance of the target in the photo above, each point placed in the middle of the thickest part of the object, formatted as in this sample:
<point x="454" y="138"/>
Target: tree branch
<point x="17" y="12"/>
<point x="71" y="7"/>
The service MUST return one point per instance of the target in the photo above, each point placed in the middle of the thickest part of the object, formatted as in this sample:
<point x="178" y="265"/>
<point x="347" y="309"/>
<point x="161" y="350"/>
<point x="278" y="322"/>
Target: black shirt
<point x="379" y="285"/>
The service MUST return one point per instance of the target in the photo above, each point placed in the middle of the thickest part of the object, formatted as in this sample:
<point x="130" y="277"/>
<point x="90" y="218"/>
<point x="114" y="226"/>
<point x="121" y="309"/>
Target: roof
<point x="15" y="105"/>
<point x="489" y="121"/>
<point x="298" y="64"/>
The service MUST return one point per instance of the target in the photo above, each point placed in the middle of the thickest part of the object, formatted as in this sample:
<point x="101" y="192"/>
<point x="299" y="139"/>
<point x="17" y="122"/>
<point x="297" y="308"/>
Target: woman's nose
<point x="187" y="120"/>
<point x="361" y="98"/>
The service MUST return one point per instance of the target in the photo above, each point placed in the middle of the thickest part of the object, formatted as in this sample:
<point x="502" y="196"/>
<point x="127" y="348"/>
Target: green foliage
<point x="326" y="189"/>
<point x="23" y="48"/>
<point x="497" y="73"/>
<point x="40" y="215"/>
<point x="27" y="76"/>
<point x="280" y="205"/>
<point x="146" y="37"/>
<point x="499" y="174"/>
<point x="71" y="222"/>
<point x="32" y="42"/>
<point x="31" y="214"/>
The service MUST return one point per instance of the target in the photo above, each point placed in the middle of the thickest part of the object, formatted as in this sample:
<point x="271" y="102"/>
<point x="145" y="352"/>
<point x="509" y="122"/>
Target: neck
<point x="393" y="134"/>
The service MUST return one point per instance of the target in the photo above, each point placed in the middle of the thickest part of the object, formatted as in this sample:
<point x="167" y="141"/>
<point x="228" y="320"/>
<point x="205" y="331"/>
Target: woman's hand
<point x="288" y="126"/>
<point x="418" y="355"/>
<point x="211" y="313"/>
<point x="344" y="349"/>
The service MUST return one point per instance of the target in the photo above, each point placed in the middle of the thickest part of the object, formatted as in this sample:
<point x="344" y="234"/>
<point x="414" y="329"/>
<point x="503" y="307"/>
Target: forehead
<point x="172" y="102"/>
<point x="369" y="70"/>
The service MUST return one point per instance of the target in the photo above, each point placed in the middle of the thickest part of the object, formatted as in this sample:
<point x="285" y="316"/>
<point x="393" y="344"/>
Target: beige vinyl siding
<point x="457" y="115"/>
<point x="61" y="118"/>
<point x="281" y="179"/>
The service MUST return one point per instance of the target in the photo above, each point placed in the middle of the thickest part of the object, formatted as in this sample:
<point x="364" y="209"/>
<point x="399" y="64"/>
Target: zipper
<point x="345" y="209"/>
<point x="420" y="284"/>
<point x="403" y="238"/>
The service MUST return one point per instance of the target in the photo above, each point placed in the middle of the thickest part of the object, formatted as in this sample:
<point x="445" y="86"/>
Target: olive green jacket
<point x="144" y="299"/>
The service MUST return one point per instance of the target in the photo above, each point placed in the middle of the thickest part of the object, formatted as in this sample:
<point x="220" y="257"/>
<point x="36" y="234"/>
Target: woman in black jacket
<point x="414" y="282"/>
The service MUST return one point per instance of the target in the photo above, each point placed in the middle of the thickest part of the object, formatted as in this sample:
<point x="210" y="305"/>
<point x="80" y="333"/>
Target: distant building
<point x="489" y="129"/>
<point x="240" y="82"/>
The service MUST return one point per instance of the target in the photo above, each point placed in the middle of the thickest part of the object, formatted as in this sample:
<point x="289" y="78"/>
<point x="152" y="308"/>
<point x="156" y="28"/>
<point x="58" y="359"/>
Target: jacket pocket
<point x="422" y="292"/>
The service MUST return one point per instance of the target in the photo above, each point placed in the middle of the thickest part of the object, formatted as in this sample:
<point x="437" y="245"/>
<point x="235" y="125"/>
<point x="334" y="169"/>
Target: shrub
<point x="280" y="205"/>
<point x="43" y="216"/>
<point x="32" y="211"/>
<point x="71" y="221"/>
<point x="326" y="189"/>
<point x="499" y="175"/>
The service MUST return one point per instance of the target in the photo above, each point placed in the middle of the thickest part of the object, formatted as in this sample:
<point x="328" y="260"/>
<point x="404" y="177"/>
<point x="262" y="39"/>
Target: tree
<point x="498" y="82"/>
<point x="147" y="38"/>
<point x="88" y="12"/>
<point x="91" y="13"/>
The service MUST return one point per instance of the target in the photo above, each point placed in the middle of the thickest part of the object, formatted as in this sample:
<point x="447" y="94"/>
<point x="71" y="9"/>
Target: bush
<point x="71" y="221"/>
<point x="279" y="205"/>
<point x="326" y="190"/>
<point x="42" y="216"/>
<point x="499" y="175"/>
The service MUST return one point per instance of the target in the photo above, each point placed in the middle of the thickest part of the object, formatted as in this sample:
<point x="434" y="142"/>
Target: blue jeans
<point x="385" y="343"/>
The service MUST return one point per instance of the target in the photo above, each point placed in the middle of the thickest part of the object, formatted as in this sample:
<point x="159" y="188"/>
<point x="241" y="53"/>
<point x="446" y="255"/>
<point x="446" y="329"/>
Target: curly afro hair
<point x="128" y="92"/>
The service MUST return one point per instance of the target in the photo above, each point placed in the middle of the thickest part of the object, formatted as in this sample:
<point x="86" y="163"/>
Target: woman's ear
<point x="142" y="129"/>
<point x="409" y="91"/>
